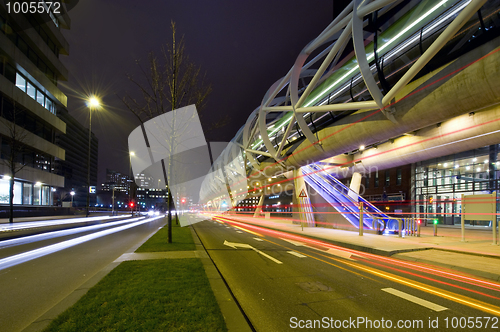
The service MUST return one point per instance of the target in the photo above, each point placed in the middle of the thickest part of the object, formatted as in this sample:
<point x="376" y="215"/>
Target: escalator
<point x="345" y="200"/>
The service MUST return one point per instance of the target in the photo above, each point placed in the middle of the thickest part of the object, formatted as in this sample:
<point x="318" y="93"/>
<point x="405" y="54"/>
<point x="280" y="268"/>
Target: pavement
<point x="477" y="255"/>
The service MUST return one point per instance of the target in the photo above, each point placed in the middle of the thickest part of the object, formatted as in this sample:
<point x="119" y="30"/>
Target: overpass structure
<point x="386" y="84"/>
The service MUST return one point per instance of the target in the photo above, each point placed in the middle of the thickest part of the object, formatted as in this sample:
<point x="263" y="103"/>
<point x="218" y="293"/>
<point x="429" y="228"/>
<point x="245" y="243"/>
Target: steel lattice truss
<point x="321" y="74"/>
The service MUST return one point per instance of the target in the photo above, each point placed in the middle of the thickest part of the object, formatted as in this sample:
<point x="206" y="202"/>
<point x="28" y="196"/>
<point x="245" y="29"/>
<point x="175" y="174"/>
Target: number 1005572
<point x="32" y="7"/>
<point x="472" y="322"/>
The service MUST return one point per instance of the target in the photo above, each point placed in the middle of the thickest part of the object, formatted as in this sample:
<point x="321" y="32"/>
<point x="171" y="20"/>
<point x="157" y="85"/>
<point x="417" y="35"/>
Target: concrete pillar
<point x="258" y="209"/>
<point x="355" y="185"/>
<point x="302" y="196"/>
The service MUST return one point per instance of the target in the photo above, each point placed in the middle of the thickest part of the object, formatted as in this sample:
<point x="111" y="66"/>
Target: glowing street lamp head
<point x="94" y="102"/>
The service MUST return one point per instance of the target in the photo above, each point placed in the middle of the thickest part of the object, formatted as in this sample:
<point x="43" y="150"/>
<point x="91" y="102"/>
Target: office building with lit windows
<point x="33" y="111"/>
<point x="74" y="167"/>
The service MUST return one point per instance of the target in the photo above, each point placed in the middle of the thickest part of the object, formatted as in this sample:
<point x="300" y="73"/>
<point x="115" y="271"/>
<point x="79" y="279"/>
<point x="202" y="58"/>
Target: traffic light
<point x="183" y="200"/>
<point x="431" y="199"/>
<point x="435" y="221"/>
<point x="132" y="204"/>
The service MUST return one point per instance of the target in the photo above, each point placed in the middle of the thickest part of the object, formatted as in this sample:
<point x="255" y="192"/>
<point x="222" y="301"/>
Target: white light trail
<point x="45" y="223"/>
<point x="54" y="234"/>
<point x="40" y="252"/>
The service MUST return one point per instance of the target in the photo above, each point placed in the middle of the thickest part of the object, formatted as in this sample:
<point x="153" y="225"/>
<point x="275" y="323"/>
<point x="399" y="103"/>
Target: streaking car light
<point x="40" y="252"/>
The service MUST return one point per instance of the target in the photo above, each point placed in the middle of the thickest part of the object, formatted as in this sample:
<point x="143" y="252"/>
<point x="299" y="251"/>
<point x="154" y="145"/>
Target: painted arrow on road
<point x="247" y="246"/>
<point x="331" y="251"/>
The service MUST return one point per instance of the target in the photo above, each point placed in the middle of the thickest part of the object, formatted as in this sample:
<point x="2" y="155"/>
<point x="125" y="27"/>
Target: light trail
<point x="45" y="223"/>
<point x="445" y="274"/>
<point x="473" y="303"/>
<point x="55" y="234"/>
<point x="40" y="252"/>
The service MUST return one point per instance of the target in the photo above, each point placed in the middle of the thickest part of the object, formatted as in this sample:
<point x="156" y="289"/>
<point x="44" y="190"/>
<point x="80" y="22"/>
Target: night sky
<point x="244" y="47"/>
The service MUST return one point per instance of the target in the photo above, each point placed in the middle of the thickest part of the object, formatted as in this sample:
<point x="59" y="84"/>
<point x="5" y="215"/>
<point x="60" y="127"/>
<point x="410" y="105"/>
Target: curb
<point x="478" y="273"/>
<point x="235" y="319"/>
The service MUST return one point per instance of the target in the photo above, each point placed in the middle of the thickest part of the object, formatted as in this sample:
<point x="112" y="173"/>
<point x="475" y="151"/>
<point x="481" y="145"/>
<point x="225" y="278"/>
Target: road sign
<point x="303" y="193"/>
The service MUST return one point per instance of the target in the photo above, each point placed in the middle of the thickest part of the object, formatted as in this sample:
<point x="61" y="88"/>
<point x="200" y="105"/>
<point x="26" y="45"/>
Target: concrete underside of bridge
<point x="433" y="118"/>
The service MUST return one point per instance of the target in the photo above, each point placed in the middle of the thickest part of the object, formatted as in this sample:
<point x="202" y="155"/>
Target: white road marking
<point x="296" y="254"/>
<point x="331" y="251"/>
<point x="257" y="239"/>
<point x="245" y="245"/>
<point x="239" y="232"/>
<point x="414" y="299"/>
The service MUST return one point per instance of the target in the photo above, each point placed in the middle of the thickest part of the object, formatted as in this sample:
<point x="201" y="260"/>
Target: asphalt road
<point x="29" y="289"/>
<point x="286" y="286"/>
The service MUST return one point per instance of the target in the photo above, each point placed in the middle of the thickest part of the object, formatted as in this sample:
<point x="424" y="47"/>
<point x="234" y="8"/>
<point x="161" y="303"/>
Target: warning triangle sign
<point x="303" y="193"/>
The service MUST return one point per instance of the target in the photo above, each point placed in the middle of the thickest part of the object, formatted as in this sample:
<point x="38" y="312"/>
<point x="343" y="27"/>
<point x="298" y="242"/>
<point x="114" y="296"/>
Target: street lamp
<point x="132" y="153"/>
<point x="93" y="103"/>
<point x="72" y="194"/>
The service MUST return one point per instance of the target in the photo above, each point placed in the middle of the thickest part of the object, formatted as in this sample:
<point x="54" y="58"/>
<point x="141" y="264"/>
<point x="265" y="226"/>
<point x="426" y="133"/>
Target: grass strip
<point x="151" y="295"/>
<point x="182" y="240"/>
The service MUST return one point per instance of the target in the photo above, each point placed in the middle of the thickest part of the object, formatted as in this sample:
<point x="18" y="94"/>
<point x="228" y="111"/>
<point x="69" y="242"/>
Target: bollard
<point x="435" y="228"/>
<point x="360" y="218"/>
<point x="494" y="227"/>
<point x="462" y="219"/>
<point x="418" y="228"/>
<point x="399" y="227"/>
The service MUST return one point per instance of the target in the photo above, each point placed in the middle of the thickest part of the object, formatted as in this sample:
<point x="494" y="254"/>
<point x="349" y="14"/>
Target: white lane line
<point x="239" y="232"/>
<point x="296" y="254"/>
<point x="334" y="252"/>
<point x="414" y="299"/>
<point x="245" y="245"/>
<point x="257" y="239"/>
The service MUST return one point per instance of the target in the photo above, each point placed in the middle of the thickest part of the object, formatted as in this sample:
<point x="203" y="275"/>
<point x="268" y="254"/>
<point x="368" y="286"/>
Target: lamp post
<point x="72" y="194"/>
<point x="92" y="103"/>
<point x="132" y="153"/>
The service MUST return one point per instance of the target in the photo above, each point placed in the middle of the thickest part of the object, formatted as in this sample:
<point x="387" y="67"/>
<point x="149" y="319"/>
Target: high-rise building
<point x="35" y="127"/>
<point x="74" y="167"/>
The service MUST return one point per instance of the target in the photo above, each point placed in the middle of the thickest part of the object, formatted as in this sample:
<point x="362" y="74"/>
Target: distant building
<point x="120" y="182"/>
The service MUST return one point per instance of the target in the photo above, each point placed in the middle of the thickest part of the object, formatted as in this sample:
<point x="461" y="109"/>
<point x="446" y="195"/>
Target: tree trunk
<point x="169" y="239"/>
<point x="11" y="200"/>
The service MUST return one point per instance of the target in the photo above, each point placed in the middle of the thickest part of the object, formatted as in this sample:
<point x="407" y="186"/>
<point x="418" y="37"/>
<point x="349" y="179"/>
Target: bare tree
<point x="16" y="138"/>
<point x="167" y="83"/>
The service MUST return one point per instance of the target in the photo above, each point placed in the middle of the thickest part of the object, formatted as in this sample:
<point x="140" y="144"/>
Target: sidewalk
<point x="476" y="255"/>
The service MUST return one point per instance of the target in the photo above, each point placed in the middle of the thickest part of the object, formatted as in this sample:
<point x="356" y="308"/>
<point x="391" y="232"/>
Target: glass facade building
<point x="440" y="183"/>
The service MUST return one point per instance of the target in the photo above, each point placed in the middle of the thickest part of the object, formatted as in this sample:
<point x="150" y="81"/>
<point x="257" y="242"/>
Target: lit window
<point x="21" y="82"/>
<point x="40" y="98"/>
<point x="31" y="91"/>
<point x="49" y="105"/>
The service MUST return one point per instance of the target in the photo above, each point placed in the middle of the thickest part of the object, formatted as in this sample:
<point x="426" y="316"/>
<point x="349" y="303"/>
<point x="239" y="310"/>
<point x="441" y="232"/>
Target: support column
<point x="305" y="210"/>
<point x="258" y="209"/>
